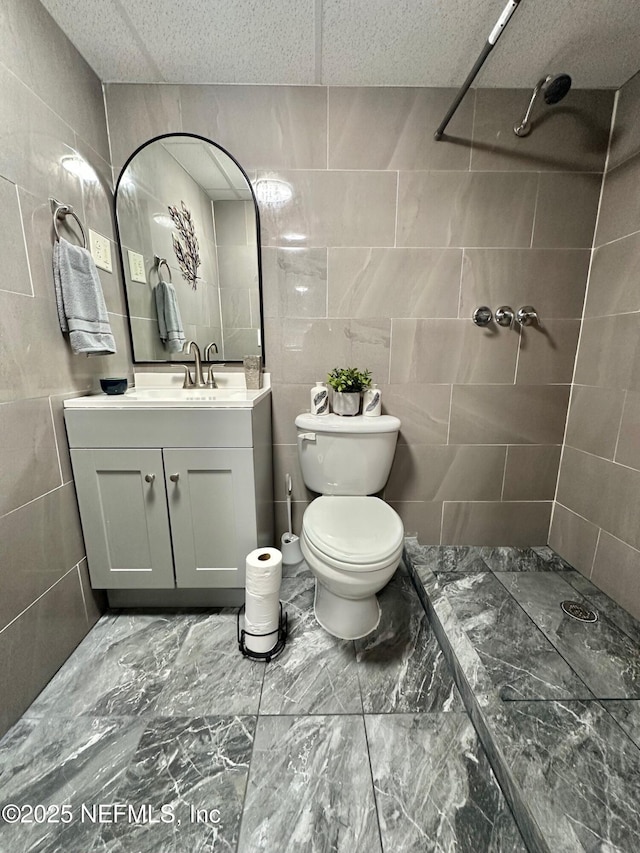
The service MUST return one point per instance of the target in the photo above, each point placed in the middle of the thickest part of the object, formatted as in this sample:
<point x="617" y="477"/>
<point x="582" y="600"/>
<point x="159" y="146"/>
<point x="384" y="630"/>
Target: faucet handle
<point x="482" y="316"/>
<point x="211" y="379"/>
<point x="188" y="378"/>
<point x="528" y="315"/>
<point x="504" y="316"/>
<point x="207" y="352"/>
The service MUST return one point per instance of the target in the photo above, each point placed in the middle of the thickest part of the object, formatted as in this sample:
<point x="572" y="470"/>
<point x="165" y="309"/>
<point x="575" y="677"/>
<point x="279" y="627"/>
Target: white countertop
<point x="165" y="391"/>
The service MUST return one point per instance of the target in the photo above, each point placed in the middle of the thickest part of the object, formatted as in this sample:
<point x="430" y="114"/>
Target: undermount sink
<point x="150" y="393"/>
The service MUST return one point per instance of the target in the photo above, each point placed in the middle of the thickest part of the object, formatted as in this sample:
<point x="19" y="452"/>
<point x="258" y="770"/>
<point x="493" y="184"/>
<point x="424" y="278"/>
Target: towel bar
<point x="60" y="210"/>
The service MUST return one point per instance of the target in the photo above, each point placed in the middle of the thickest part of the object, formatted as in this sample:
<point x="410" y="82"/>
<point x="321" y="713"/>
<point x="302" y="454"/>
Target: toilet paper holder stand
<point x="281" y="631"/>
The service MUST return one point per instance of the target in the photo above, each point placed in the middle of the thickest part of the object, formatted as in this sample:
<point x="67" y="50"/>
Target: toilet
<point x="351" y="540"/>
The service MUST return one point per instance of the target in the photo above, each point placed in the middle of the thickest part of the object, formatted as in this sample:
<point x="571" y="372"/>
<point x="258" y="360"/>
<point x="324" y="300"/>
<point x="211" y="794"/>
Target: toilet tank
<point x="346" y="456"/>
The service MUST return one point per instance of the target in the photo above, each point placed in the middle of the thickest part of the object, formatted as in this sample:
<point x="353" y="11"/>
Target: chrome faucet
<point x="211" y="380"/>
<point x="198" y="379"/>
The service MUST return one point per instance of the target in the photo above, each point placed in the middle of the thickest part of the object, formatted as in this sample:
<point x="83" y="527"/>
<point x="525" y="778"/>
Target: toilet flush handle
<point x="307" y="436"/>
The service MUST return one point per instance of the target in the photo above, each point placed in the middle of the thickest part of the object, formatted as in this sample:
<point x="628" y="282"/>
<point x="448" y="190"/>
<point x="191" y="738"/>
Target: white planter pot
<point x="346" y="403"/>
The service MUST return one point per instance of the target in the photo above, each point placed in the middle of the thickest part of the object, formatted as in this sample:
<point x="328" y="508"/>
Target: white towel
<point x="81" y="308"/>
<point x="169" y="320"/>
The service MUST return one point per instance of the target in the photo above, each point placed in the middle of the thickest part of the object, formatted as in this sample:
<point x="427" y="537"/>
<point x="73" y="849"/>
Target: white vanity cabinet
<point x="172" y="499"/>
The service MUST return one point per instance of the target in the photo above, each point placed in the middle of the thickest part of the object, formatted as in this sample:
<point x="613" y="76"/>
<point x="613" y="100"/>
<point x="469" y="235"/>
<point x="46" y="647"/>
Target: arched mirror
<point x="189" y="239"/>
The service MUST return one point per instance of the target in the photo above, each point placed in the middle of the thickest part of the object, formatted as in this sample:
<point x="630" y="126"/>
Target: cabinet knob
<point x="149" y="478"/>
<point x="174" y="477"/>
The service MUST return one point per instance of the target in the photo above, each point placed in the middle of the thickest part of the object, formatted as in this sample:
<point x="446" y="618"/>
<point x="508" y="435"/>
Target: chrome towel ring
<point x="158" y="262"/>
<point x="60" y="210"/>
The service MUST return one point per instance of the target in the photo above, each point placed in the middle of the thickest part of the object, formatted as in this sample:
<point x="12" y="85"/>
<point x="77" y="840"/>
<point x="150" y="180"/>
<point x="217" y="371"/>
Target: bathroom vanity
<point x="174" y="489"/>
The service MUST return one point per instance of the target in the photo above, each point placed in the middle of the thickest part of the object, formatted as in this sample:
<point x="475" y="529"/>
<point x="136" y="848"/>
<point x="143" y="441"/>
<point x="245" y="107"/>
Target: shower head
<point x="554" y="87"/>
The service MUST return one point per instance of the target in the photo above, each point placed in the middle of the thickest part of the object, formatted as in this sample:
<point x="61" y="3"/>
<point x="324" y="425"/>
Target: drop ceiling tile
<point x="229" y="41"/>
<point x="595" y="41"/>
<point x="362" y="42"/>
<point x="391" y="43"/>
<point x="101" y="31"/>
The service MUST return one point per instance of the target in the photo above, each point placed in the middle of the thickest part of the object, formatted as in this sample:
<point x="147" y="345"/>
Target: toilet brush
<point x="290" y="544"/>
<point x="287" y="485"/>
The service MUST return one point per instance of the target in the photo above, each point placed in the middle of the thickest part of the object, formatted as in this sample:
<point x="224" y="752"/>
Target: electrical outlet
<point x="100" y="250"/>
<point x="136" y="267"/>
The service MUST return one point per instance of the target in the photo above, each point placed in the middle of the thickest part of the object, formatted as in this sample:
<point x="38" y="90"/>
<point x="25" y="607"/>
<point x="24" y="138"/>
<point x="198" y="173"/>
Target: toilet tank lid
<point x="355" y="424"/>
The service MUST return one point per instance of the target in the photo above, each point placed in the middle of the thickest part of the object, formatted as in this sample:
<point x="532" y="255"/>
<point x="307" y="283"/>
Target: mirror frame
<point x="121" y="253"/>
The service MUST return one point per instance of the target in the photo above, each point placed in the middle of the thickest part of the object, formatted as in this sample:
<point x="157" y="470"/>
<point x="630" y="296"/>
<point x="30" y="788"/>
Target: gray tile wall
<point x="389" y="243"/>
<point x="51" y="106"/>
<point x="595" y="523"/>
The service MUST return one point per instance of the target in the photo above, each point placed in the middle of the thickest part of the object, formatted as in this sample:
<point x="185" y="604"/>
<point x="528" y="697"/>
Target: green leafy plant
<point x="349" y="379"/>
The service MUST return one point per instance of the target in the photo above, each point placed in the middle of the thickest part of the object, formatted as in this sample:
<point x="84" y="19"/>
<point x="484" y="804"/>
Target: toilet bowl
<point x="351" y="540"/>
<point x="353" y="546"/>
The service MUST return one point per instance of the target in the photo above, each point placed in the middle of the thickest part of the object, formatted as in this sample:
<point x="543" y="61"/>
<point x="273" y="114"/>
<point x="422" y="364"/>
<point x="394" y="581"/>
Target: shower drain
<point x="579" y="611"/>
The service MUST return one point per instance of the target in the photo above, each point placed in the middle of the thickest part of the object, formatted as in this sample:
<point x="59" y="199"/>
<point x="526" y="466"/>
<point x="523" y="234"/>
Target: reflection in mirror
<point x="189" y="240"/>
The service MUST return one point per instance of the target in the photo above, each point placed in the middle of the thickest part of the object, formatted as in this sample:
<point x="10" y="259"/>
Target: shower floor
<point x="335" y="747"/>
<point x="555" y="701"/>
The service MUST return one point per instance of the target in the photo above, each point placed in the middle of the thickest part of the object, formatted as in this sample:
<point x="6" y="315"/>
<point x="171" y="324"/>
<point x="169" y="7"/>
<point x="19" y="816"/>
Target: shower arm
<point x="525" y="120"/>
<point x="495" y="34"/>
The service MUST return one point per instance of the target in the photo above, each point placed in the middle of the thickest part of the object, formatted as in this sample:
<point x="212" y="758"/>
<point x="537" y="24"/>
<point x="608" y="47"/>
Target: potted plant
<point x="348" y="383"/>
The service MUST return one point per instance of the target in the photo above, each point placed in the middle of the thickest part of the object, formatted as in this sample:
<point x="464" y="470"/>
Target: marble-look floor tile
<point x="63" y="760"/>
<point x="209" y="675"/>
<point x="448" y="558"/>
<point x="460" y="558"/>
<point x="120" y="667"/>
<point x="577" y="771"/>
<point x="554" y="561"/>
<point x="601" y="602"/>
<point x="627" y="713"/>
<point x="402" y="570"/>
<point x="310" y="788"/>
<point x="400" y="665"/>
<point x="458" y="649"/>
<point x="476" y="687"/>
<point x="519" y="659"/>
<point x="514" y="560"/>
<point x="14" y="739"/>
<point x="434" y="787"/>
<point x="200" y="763"/>
<point x="604" y="657"/>
<point x="416" y="554"/>
<point x="316" y="673"/>
<point x="296" y="570"/>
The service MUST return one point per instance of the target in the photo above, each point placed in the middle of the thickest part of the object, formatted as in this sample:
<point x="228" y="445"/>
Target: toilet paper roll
<point x="262" y="598"/>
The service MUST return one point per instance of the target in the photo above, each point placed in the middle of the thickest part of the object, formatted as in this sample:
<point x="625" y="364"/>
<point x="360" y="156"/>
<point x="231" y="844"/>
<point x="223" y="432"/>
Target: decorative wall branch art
<point x="186" y="248"/>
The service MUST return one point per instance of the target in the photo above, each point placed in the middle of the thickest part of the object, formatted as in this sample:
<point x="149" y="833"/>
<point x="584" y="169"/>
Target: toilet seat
<point x="353" y="533"/>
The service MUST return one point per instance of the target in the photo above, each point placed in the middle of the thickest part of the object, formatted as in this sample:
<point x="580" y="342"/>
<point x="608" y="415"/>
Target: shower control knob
<point x="505" y="316"/>
<point x="528" y="315"/>
<point x="482" y="316"/>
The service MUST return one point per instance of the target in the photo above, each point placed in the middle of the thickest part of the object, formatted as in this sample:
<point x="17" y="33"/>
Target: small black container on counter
<point x="113" y="386"/>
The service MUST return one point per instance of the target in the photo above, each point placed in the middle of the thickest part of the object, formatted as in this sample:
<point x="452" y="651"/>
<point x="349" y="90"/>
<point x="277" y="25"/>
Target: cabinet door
<point x="213" y="514"/>
<point x="124" y="518"/>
